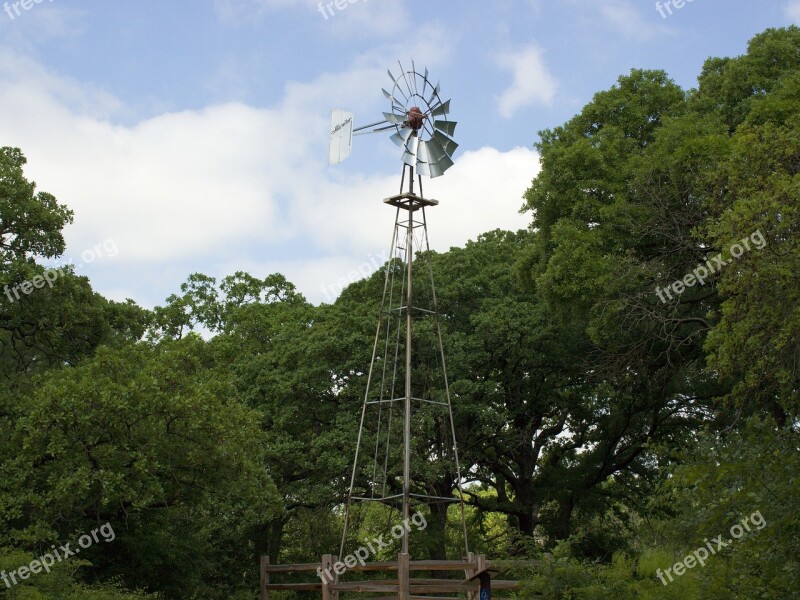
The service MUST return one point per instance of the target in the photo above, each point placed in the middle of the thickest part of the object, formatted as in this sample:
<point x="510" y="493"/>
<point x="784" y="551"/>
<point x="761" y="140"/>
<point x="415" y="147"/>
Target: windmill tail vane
<point x="418" y="118"/>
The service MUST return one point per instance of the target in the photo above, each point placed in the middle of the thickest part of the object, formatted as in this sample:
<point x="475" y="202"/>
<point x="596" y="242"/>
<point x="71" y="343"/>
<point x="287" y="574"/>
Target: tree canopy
<point x="624" y="375"/>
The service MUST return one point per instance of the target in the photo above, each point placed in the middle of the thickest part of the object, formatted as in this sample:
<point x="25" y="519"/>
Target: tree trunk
<point x="268" y="539"/>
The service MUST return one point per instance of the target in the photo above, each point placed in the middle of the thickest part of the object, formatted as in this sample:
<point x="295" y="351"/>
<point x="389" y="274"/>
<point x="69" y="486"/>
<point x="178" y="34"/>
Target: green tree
<point x="289" y="361"/>
<point x="757" y="340"/>
<point x="154" y="442"/>
<point x="59" y="322"/>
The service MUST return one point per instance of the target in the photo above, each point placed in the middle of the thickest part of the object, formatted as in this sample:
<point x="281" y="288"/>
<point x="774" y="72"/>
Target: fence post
<point x="327" y="563"/>
<point x="470" y="572"/>
<point x="335" y="593"/>
<point x="403" y="576"/>
<point x="485" y="578"/>
<point x="264" y="578"/>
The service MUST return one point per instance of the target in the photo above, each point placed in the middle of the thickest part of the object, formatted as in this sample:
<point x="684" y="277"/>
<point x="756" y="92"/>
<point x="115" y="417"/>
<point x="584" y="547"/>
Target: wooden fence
<point x="474" y="581"/>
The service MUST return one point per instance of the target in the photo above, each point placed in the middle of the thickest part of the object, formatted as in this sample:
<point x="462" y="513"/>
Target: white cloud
<point x="532" y="82"/>
<point x="171" y="186"/>
<point x="792" y="10"/>
<point x="483" y="191"/>
<point x="233" y="187"/>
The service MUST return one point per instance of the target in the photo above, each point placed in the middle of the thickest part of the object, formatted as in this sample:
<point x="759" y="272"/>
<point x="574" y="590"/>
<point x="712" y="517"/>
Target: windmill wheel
<point x="420" y="119"/>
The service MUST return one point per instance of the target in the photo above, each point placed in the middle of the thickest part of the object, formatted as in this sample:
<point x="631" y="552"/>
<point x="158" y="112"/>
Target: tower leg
<point x="407" y="415"/>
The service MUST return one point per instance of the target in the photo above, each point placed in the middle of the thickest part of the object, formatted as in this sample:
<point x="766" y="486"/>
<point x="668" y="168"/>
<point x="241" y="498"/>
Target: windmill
<point x="399" y="390"/>
<point x="419" y="124"/>
<point x="418" y="119"/>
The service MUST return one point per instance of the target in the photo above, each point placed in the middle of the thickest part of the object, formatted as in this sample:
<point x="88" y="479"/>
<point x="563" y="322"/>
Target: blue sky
<point x="192" y="134"/>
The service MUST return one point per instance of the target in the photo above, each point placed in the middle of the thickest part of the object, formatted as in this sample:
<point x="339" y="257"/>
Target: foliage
<point x="152" y="442"/>
<point x="606" y="428"/>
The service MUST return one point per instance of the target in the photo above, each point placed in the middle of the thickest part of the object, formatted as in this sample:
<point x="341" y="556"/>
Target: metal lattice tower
<point x="407" y="402"/>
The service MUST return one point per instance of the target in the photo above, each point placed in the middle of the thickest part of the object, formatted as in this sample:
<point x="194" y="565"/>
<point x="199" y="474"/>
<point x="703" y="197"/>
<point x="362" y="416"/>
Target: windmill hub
<point x="416" y="118"/>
